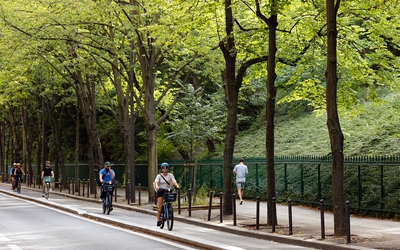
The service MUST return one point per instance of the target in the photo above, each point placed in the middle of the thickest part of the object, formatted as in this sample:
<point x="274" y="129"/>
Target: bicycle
<point x="167" y="211"/>
<point x="107" y="200"/>
<point x="47" y="181"/>
<point x="18" y="180"/>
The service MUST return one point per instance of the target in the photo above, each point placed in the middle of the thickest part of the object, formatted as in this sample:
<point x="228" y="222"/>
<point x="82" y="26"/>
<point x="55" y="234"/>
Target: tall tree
<point x="333" y="123"/>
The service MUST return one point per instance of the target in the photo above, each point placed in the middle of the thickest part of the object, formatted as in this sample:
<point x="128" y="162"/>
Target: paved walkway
<point x="366" y="233"/>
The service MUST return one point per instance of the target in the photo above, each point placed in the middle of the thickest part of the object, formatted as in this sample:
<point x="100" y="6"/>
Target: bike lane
<point x="195" y="230"/>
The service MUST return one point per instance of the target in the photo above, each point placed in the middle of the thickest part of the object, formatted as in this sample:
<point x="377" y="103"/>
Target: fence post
<point x="179" y="201"/>
<point x="234" y="208"/>
<point x="290" y="217"/>
<point x="220" y="207"/>
<point x="210" y="206"/>
<point x="348" y="221"/>
<point x="128" y="195"/>
<point x="190" y="201"/>
<point x="321" y="205"/>
<point x="273" y="214"/>
<point x="140" y="194"/>
<point x="258" y="213"/>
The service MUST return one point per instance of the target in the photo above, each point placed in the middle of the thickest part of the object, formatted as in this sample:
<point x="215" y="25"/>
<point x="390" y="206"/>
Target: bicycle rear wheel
<point x="109" y="202"/>
<point x="162" y="217"/>
<point x="19" y="186"/>
<point x="104" y="205"/>
<point x="170" y="218"/>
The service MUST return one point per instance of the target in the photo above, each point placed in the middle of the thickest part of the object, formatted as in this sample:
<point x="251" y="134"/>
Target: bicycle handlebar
<point x="167" y="189"/>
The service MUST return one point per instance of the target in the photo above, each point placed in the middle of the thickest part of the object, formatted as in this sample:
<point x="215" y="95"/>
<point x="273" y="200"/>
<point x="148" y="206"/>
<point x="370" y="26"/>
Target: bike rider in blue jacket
<point x="106" y="176"/>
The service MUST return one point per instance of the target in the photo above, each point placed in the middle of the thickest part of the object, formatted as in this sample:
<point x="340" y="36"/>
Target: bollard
<point x="273" y="214"/>
<point x="179" y="201"/>
<point x="140" y="194"/>
<point x="210" y="206"/>
<point x="88" y="188"/>
<point x="73" y="186"/>
<point x="190" y="201"/>
<point x="290" y="217"/>
<point x="220" y="207"/>
<point x="348" y="221"/>
<point x="69" y="185"/>
<point x="128" y="195"/>
<point x="321" y="205"/>
<point x="79" y="187"/>
<point x="234" y="208"/>
<point x="60" y="184"/>
<point x="115" y="191"/>
<point x="83" y="188"/>
<point x="258" y="213"/>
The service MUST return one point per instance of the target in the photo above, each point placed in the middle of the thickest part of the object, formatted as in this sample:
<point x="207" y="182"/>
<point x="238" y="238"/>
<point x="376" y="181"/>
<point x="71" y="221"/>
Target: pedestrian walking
<point x="241" y="172"/>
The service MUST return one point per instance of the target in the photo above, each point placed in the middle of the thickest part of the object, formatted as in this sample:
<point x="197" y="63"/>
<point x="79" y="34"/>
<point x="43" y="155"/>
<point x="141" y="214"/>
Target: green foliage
<point x="193" y="121"/>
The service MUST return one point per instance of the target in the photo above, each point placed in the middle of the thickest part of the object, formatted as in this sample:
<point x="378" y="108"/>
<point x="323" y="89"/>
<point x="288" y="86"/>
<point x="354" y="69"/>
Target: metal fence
<point x="371" y="183"/>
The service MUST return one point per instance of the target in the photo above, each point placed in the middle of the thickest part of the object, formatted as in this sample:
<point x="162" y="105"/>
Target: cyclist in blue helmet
<point x="163" y="181"/>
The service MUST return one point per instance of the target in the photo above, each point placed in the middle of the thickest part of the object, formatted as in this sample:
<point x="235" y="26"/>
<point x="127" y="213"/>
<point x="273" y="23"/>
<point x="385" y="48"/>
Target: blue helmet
<point x="164" y="164"/>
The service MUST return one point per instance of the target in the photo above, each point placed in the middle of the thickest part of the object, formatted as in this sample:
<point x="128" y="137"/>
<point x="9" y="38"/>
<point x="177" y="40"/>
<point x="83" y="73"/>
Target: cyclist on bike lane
<point x="47" y="171"/>
<point x="163" y="181"/>
<point x="14" y="166"/>
<point x="18" y="172"/>
<point x="106" y="176"/>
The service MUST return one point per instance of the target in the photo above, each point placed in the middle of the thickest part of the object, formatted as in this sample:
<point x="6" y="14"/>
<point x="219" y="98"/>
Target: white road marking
<point x="3" y="238"/>
<point x="14" y="247"/>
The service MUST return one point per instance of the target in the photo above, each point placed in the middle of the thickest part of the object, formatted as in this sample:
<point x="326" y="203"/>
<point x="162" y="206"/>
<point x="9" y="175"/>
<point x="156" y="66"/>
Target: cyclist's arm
<point x="112" y="173"/>
<point x="101" y="178"/>
<point x="52" y="174"/>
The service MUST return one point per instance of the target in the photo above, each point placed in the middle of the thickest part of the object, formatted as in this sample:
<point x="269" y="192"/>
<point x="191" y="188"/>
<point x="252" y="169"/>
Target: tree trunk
<point x="147" y="63"/>
<point x="335" y="132"/>
<point x="58" y="151"/>
<point x="270" y="113"/>
<point x="231" y="98"/>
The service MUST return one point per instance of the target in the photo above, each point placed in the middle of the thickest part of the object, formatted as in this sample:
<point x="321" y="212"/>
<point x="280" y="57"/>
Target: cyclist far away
<point x="106" y="176"/>
<point x="18" y="172"/>
<point x="12" y="175"/>
<point x="47" y="171"/>
<point x="163" y="181"/>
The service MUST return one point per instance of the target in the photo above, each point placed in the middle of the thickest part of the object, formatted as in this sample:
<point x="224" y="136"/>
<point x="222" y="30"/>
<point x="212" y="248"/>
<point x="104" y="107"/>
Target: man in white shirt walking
<point x="241" y="172"/>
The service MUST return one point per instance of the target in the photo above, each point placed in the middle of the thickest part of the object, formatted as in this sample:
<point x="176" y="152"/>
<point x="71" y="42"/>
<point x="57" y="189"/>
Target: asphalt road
<point x="29" y="221"/>
<point x="29" y="225"/>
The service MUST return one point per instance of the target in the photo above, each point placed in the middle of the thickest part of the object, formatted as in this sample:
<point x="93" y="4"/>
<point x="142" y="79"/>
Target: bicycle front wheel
<point x="170" y="218"/>
<point x="104" y="205"/>
<point x="46" y="195"/>
<point x="162" y="217"/>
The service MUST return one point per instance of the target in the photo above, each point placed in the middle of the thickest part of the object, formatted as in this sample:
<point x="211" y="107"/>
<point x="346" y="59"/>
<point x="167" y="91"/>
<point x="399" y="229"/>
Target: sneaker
<point x="42" y="195"/>
<point x="159" y="223"/>
<point x="241" y="202"/>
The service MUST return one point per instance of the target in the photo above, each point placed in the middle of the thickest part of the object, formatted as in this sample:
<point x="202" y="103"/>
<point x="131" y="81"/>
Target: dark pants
<point x="16" y="178"/>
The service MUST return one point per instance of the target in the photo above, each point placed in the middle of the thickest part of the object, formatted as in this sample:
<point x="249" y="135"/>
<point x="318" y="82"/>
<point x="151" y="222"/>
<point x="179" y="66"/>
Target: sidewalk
<point x="366" y="233"/>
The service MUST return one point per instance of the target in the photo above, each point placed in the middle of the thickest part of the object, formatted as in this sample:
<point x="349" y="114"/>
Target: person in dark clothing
<point x="47" y="171"/>
<point x="18" y="172"/>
